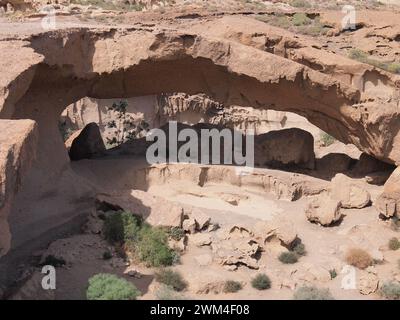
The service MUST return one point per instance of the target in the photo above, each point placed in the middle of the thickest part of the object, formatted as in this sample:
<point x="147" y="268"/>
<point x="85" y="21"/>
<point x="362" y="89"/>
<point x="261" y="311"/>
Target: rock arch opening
<point x="109" y="64"/>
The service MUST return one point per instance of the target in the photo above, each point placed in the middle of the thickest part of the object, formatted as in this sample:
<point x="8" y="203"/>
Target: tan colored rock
<point x="367" y="282"/>
<point x="189" y="225"/>
<point x="323" y="210"/>
<point x="154" y="210"/>
<point x="388" y="203"/>
<point x="281" y="229"/>
<point x="179" y="245"/>
<point x="351" y="193"/>
<point x="17" y="152"/>
<point x="87" y="144"/>
<point x="202" y="219"/>
<point x="201" y="239"/>
<point x="236" y="252"/>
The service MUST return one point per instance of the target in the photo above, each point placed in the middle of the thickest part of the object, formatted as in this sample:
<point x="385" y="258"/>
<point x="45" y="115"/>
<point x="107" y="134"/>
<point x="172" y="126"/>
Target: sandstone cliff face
<point x="17" y="152"/>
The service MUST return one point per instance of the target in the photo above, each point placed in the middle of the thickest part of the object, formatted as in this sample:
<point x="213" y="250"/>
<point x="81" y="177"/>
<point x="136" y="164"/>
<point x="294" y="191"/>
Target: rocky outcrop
<point x="17" y="153"/>
<point x="324" y="211"/>
<point x="350" y="192"/>
<point x="154" y="210"/>
<point x="388" y="203"/>
<point x="87" y="144"/>
<point x="284" y="148"/>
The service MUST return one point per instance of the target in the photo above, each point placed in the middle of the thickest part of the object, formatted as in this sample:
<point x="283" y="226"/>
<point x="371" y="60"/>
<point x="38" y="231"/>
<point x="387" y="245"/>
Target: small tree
<point x="126" y="127"/>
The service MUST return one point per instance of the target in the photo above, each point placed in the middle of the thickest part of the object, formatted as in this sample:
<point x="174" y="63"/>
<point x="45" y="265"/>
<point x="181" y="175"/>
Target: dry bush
<point x="359" y="258"/>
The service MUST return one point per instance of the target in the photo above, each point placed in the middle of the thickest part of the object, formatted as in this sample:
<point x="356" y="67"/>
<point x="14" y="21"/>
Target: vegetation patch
<point x="364" y="57"/>
<point x="312" y="293"/>
<point x="394" y="244"/>
<point x="288" y="257"/>
<point x="172" y="279"/>
<point x="176" y="233"/>
<point x="298" y="23"/>
<point x="300" y="249"/>
<point x="261" y="282"/>
<point x="327" y="139"/>
<point x="120" y="227"/>
<point x="333" y="273"/>
<point x="104" y="286"/>
<point x="359" y="258"/>
<point x="152" y="247"/>
<point x="231" y="286"/>
<point x="148" y="244"/>
<point x="391" y="290"/>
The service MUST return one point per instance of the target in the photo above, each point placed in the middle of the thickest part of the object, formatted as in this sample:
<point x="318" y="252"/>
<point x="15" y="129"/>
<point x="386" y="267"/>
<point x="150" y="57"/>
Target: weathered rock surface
<point x="350" y="192"/>
<point x="17" y="152"/>
<point x="367" y="282"/>
<point x="323" y="210"/>
<point x="154" y="210"/>
<point x="288" y="147"/>
<point x="388" y="203"/>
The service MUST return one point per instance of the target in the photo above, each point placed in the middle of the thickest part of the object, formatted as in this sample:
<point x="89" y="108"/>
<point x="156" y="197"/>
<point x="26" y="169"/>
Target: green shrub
<point x="105" y="286"/>
<point x="300" y="249"/>
<point x="172" y="279"/>
<point x="391" y="290"/>
<point x="121" y="226"/>
<point x="152" y="247"/>
<point x="288" y="257"/>
<point x="327" y="139"/>
<point x="53" y="261"/>
<point x="394" y="244"/>
<point x="333" y="273"/>
<point x="176" y="233"/>
<point x="107" y="255"/>
<point x="231" y="286"/>
<point x="312" y="293"/>
<point x="261" y="282"/>
<point x="301" y="19"/>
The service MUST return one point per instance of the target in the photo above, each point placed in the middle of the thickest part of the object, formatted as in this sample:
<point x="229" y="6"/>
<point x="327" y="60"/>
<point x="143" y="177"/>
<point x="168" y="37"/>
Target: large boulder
<point x="282" y="148"/>
<point x="88" y="144"/>
<point x="350" y="192"/>
<point x="324" y="211"/>
<point x="388" y="203"/>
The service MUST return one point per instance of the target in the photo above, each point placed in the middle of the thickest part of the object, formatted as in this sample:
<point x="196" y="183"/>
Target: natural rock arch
<point x="63" y="66"/>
